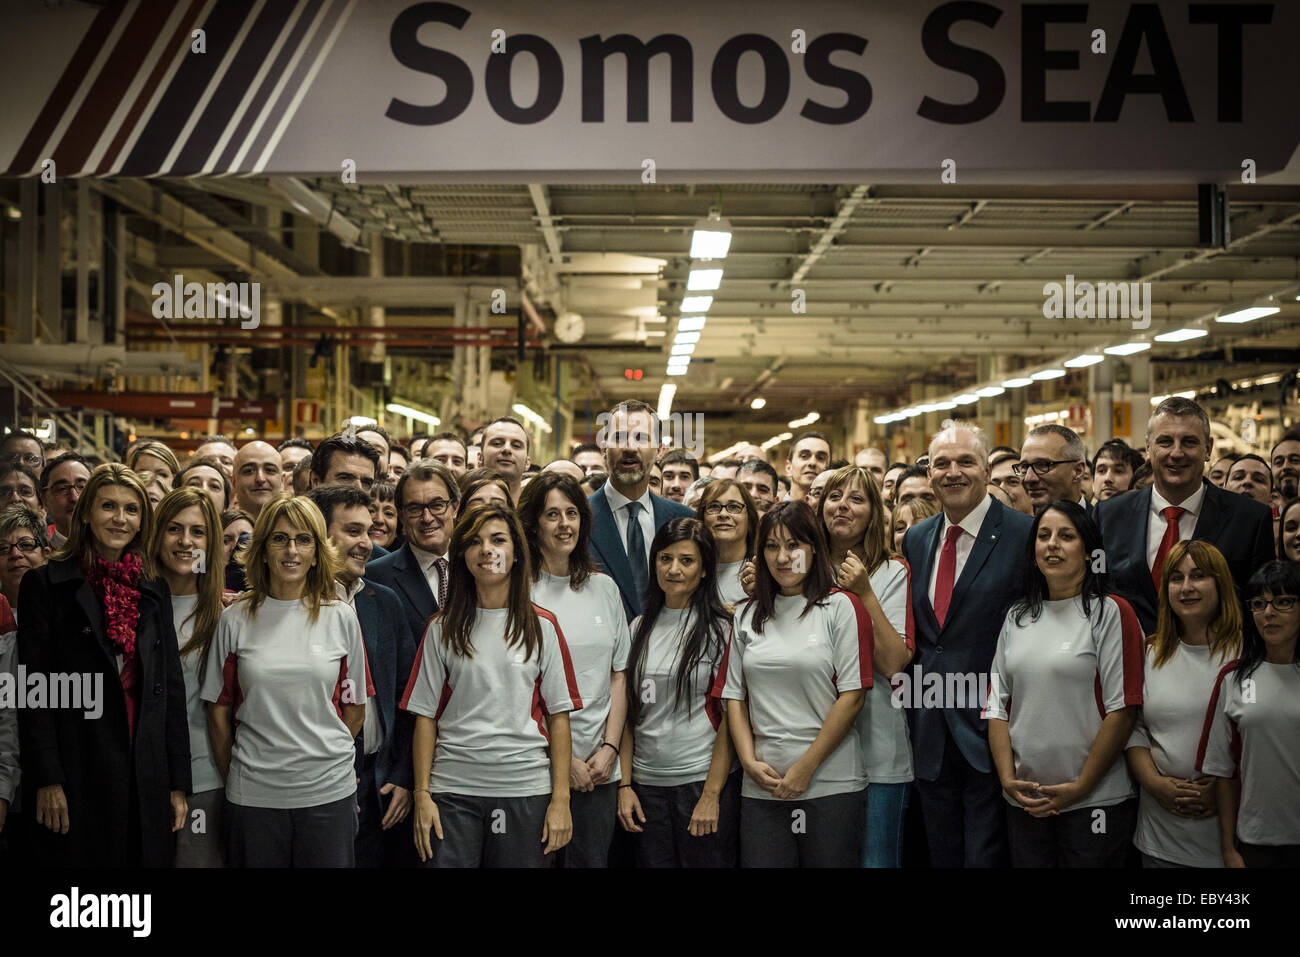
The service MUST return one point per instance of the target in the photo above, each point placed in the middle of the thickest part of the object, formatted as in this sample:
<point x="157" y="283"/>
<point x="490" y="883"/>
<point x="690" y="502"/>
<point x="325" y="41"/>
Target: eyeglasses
<point x="281" y="540"/>
<point x="31" y="461"/>
<point x="62" y="489"/>
<point x="1041" y="468"/>
<point x="1280" y="603"/>
<point x="17" y="491"/>
<point x="24" y="545"/>
<point x="715" y="508"/>
<point x="414" y="510"/>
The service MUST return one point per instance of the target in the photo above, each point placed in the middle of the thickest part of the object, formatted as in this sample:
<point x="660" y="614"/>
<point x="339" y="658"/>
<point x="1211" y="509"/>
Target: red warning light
<point x="634" y="374"/>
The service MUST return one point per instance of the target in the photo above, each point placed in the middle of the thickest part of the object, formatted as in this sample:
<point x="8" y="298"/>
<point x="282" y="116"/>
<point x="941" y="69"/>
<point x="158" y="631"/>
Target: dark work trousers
<point x="320" y="836"/>
<point x="490" y="832"/>
<point x="965" y="814"/>
<point x="594" y="813"/>
<point x="822" y="832"/>
<point x="1086" y="837"/>
<point x="665" y="841"/>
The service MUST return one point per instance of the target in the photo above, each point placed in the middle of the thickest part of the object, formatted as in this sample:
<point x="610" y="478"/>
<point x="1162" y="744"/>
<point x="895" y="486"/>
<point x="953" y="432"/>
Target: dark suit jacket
<point x="117" y="785"/>
<point x="607" y="548"/>
<point x="990" y="581"/>
<point x="1238" y="527"/>
<point x="400" y="571"/>
<point x="390" y="650"/>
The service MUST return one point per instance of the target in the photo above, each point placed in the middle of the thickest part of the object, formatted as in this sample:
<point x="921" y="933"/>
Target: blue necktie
<point x="636" y="552"/>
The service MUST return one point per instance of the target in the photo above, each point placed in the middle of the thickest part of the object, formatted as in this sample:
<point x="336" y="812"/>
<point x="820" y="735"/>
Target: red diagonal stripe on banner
<point x="110" y="86"/>
<point x="181" y="36"/>
<point x="28" y="154"/>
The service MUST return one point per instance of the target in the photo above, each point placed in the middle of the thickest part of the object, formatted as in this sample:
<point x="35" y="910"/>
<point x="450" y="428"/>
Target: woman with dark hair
<point x="207" y="474"/>
<point x="853" y="514"/>
<point x="729" y="513"/>
<point x="1063" y="691"/>
<point x="556" y="520"/>
<point x="1198" y="630"/>
<point x="107" y="777"/>
<point x="679" y="791"/>
<point x="385" y="525"/>
<point x="185" y="551"/>
<point x="1249" y="743"/>
<point x="795" y="675"/>
<point x="490" y="782"/>
<point x="286" y="682"/>
<point x="1288" y="531"/>
<point x="483" y="487"/>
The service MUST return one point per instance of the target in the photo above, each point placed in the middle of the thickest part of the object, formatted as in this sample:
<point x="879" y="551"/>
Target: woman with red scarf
<point x="105" y="757"/>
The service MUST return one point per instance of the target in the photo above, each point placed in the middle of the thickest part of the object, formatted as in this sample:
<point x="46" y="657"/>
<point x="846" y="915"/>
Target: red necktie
<point x="947" y="571"/>
<point x="1171" y="514"/>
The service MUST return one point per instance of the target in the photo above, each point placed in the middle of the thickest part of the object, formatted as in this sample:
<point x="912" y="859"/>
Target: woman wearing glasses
<point x="286" y="682"/>
<point x="556" y="520"/>
<point x="795" y="676"/>
<point x="24" y="545"/>
<point x="1197" y="632"/>
<point x="1250" y="731"/>
<point x="105" y="787"/>
<point x="729" y="513"/>
<point x="853" y="515"/>
<point x="492" y="688"/>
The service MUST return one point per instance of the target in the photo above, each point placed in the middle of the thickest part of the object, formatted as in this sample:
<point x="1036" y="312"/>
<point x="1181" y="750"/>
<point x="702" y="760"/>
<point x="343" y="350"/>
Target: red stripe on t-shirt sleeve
<point x="866" y="638"/>
<point x="1210" y="712"/>
<point x="713" y="704"/>
<point x="232" y="696"/>
<point x="414" y="676"/>
<point x="539" y="707"/>
<point x="570" y="678"/>
<point x="1134" y="651"/>
<point x="443" y="699"/>
<point x="720" y="682"/>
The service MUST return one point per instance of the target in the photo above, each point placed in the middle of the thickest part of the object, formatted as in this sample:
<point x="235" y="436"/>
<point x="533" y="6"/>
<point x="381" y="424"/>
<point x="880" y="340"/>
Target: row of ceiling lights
<point x="709" y="243"/>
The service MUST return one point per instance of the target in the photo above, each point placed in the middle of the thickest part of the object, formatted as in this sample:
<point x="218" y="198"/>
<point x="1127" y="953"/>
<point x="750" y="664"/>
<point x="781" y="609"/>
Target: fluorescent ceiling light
<point x="683" y="349"/>
<point x="690" y="323"/>
<point x="944" y="406"/>
<point x="1047" y="374"/>
<point x="1017" y="383"/>
<point x="808" y="419"/>
<point x="883" y="419"/>
<point x="686" y="337"/>
<point x="909" y="412"/>
<point x="966" y="398"/>
<point x="989" y="391"/>
<point x="676" y="370"/>
<point x="679" y="360"/>
<point x="1127" y="349"/>
<point x="696" y="303"/>
<point x="1182" y="335"/>
<point x="707" y="279"/>
<point x="666" y="393"/>
<point x="1083" y="361"/>
<point x="712" y="237"/>
<point x="1249" y="314"/>
<point x="410" y="413"/>
<point x="757" y="403"/>
<point x="771" y="443"/>
<point x="531" y="416"/>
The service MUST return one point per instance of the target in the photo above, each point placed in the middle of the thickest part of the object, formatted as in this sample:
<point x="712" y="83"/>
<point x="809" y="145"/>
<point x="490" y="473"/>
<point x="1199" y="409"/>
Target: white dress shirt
<point x="429" y="565"/>
<point x="370" y="732"/>
<point x="970" y="526"/>
<point x="1156" y="523"/>
<point x="618" y="503"/>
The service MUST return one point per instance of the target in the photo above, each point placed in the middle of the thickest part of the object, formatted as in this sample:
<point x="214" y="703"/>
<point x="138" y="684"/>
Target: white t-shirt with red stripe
<point x="882" y="728"/>
<point x="1055" y="678"/>
<point x="491" y="708"/>
<point x="1252" y="728"/>
<point x="286" y="679"/>
<point x="790" y="675"/>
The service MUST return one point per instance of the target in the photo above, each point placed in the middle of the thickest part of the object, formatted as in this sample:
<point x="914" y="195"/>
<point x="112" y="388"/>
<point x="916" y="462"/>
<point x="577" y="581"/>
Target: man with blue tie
<point x="967" y="568"/>
<point x="625" y="514"/>
<point x="384" y="767"/>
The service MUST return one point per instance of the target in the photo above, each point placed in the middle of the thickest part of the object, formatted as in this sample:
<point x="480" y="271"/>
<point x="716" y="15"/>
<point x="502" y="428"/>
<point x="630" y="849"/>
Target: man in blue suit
<point x="1138" y="528"/>
<point x="427" y="500"/>
<point x="384" y="752"/>
<point x="625" y="515"/>
<point x="968" y="566"/>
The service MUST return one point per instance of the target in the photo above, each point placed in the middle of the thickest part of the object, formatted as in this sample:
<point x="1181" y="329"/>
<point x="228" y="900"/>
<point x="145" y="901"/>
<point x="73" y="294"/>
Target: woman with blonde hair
<point x="155" y="485"/>
<point x="906" y="515"/>
<point x="185" y="551"/>
<point x="288" y="667"/>
<point x="1198" y="631"/>
<point x="157" y="458"/>
<point x="106" y="777"/>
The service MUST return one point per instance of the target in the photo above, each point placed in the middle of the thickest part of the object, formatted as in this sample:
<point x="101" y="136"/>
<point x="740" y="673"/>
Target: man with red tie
<point x="967" y="568"/>
<point x="1138" y="529"/>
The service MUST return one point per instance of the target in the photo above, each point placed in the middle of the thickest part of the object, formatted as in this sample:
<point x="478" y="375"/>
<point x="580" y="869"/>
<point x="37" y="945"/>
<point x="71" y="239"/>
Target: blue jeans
<point x="883" y="844"/>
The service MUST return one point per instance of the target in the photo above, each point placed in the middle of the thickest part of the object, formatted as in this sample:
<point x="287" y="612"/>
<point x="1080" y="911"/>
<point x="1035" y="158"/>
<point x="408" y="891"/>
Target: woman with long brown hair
<point x="287" y="682"/>
<point x="727" y="510"/>
<point x="491" y="782"/>
<point x="853" y="514"/>
<point x="185" y="551"/>
<point x="107" y="775"/>
<point x="1198" y="631"/>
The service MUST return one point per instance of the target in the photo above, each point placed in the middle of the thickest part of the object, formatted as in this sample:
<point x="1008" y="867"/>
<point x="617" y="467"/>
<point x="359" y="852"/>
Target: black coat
<point x="117" y="787"/>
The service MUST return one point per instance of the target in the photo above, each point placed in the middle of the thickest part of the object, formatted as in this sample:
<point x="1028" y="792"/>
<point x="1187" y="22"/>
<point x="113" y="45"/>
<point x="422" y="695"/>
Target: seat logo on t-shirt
<point x="599" y="620"/>
<point x="317" y="649"/>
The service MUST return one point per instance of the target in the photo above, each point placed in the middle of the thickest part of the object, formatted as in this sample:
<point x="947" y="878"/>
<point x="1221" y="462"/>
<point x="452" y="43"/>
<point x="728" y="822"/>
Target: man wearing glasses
<point x="62" y="483"/>
<point x="23" y="448"/>
<point x="1002" y="473"/>
<point x="1053" y="463"/>
<point x="427" y="499"/>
